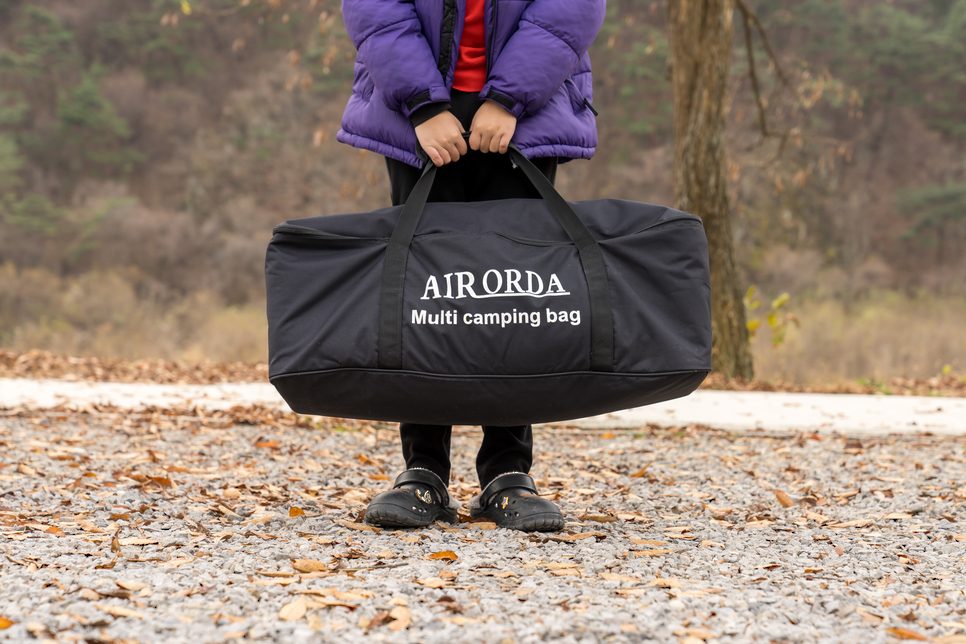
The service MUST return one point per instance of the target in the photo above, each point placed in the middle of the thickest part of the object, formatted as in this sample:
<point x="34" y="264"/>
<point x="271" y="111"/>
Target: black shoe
<point x="417" y="499"/>
<point x="511" y="501"/>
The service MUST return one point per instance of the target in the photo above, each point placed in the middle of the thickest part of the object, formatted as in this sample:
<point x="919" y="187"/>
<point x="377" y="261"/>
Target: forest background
<point x="148" y="147"/>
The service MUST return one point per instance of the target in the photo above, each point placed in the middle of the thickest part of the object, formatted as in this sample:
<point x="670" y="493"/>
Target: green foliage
<point x="903" y="55"/>
<point x="31" y="213"/>
<point x="47" y="48"/>
<point x="90" y="133"/>
<point x="778" y="319"/>
<point x="935" y="207"/>
<point x="630" y="57"/>
<point x="10" y="165"/>
<point x="164" y="52"/>
<point x="329" y="54"/>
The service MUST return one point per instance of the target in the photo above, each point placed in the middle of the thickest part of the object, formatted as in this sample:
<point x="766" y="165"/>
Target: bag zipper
<point x="542" y="243"/>
<point x="311" y="233"/>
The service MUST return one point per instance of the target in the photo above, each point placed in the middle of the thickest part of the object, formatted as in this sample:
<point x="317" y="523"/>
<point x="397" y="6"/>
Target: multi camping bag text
<point x="488" y="313"/>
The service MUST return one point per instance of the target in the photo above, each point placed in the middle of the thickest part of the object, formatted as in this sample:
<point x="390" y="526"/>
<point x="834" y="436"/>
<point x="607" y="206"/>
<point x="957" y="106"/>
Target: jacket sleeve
<point x="550" y="40"/>
<point x="397" y="56"/>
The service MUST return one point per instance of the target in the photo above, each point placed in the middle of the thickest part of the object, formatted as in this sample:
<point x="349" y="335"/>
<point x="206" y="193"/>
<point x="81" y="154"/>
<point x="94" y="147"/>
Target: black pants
<point x="475" y="177"/>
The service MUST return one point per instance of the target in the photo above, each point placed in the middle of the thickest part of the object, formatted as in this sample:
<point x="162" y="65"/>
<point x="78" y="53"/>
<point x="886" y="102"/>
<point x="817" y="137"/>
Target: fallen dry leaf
<point x="898" y="516"/>
<point x="629" y="592"/>
<point x="700" y="633"/>
<point x="858" y="523"/>
<point x="564" y="572"/>
<point x="720" y="513"/>
<point x="118" y="611"/>
<point x="54" y="530"/>
<point x="869" y="618"/>
<point x="950" y="639"/>
<point x="448" y="555"/>
<point x="784" y="499"/>
<point x="174" y="563"/>
<point x="308" y="565"/>
<point x="293" y="611"/>
<point x="89" y="526"/>
<point x="499" y="575"/>
<point x="459" y="620"/>
<point x="569" y="538"/>
<point x="131" y="585"/>
<point x="907" y="634"/>
<point x="669" y="582"/>
<point x="640" y="473"/>
<point x="648" y="542"/>
<point x="650" y="553"/>
<point x="377" y="620"/>
<point x="707" y="543"/>
<point x="362" y="526"/>
<point x="295" y="512"/>
<point x="484" y="525"/>
<point x="433" y="582"/>
<point x="137" y="541"/>
<point x="818" y="518"/>
<point x="599" y="518"/>
<point x="402" y="618"/>
<point x="5" y="623"/>
<point x="609" y="576"/>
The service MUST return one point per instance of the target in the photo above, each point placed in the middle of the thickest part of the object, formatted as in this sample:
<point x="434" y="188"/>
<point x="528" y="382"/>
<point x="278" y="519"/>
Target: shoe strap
<point x="505" y="482"/>
<point x="425" y="477"/>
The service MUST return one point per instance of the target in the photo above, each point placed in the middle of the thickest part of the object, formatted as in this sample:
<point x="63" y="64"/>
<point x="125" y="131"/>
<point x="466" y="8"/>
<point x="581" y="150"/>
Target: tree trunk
<point x="700" y="36"/>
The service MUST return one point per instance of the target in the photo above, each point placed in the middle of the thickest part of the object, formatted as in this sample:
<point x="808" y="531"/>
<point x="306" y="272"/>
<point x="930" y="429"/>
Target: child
<point x="426" y="72"/>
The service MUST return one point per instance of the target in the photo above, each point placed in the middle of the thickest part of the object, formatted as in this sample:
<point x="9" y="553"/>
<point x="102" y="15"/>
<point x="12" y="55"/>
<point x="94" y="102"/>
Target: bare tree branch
<point x="750" y="15"/>
<point x="751" y="70"/>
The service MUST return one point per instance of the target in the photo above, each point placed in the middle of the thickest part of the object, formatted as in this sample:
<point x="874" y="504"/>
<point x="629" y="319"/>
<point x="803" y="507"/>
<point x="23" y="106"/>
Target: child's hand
<point x="492" y="128"/>
<point x="442" y="138"/>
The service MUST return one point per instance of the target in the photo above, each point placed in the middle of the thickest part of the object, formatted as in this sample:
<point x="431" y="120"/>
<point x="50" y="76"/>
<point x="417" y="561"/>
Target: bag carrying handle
<point x="591" y="259"/>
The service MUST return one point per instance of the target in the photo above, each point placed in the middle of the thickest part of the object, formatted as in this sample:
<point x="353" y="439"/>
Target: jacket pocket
<point x="362" y="84"/>
<point x="576" y="99"/>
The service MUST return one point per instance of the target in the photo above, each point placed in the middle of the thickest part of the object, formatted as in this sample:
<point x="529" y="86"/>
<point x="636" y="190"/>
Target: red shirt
<point x="471" y="64"/>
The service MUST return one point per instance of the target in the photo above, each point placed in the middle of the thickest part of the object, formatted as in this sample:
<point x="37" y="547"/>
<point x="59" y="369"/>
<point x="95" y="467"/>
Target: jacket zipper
<point x="489" y="41"/>
<point x="447" y="48"/>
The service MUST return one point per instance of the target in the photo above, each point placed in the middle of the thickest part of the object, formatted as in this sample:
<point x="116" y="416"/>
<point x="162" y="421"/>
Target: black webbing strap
<point x="591" y="258"/>
<point x="397" y="254"/>
<point x="394" y="271"/>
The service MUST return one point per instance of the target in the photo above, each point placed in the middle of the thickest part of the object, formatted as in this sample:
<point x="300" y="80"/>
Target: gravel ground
<point x="171" y="526"/>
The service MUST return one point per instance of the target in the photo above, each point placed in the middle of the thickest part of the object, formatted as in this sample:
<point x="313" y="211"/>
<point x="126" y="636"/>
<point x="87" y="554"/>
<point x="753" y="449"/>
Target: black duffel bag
<point x="498" y="313"/>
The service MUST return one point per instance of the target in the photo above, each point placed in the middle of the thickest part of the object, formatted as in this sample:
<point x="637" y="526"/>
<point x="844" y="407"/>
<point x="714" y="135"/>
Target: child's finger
<point x="495" y="143"/>
<point x="441" y="156"/>
<point x="475" y="139"/>
<point x="485" y="138"/>
<point x="454" y="153"/>
<point x="461" y="143"/>
<point x="505" y="142"/>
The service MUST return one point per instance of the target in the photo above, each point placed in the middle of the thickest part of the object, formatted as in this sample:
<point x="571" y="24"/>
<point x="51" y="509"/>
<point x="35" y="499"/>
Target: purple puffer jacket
<point x="537" y="69"/>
